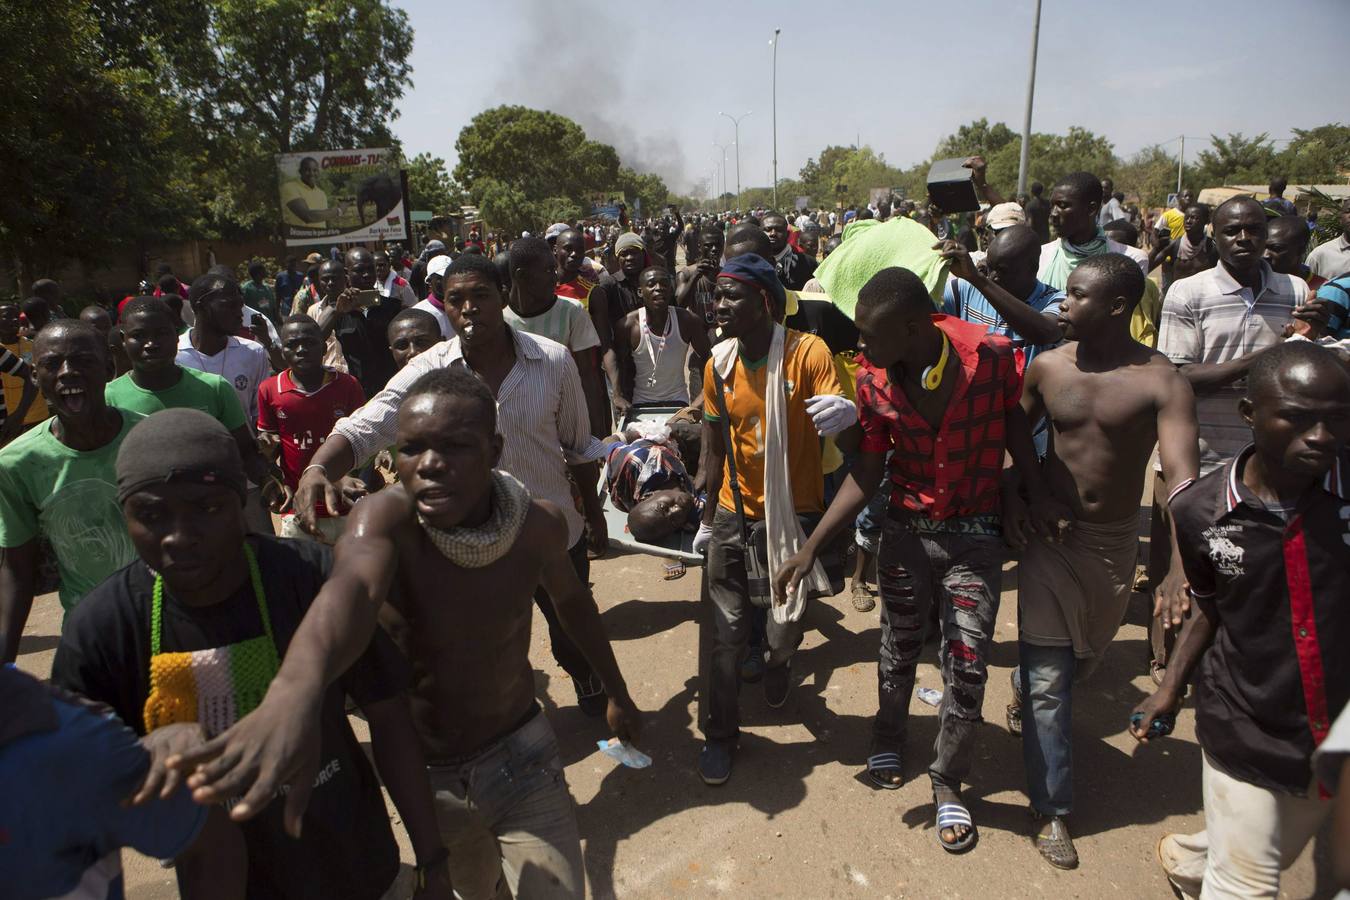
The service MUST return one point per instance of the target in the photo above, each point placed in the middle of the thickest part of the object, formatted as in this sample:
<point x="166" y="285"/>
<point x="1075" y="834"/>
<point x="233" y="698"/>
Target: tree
<point x="1236" y="159"/>
<point x="526" y="168"/>
<point x="430" y="186"/>
<point x="845" y="175"/>
<point x="647" y="189"/>
<point x="89" y="152"/>
<point x="1316" y="155"/>
<point x="979" y="137"/>
<point x="1052" y="156"/>
<point x="1151" y="174"/>
<point x="131" y="120"/>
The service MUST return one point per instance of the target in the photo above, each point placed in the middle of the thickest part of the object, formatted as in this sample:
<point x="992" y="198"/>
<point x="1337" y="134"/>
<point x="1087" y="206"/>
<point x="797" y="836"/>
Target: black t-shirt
<point x="347" y="848"/>
<point x="794" y="269"/>
<point x="1277" y="674"/>
<point x="826" y="322"/>
<point x="365" y="346"/>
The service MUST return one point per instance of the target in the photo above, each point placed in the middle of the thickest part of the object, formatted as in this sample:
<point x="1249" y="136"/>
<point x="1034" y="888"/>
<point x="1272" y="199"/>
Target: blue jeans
<point x="1045" y="689"/>
<point x="508" y="819"/>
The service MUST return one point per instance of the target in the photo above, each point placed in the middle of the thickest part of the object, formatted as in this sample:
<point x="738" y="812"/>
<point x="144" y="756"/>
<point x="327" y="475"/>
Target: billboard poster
<point x="605" y="206"/>
<point x="341" y="196"/>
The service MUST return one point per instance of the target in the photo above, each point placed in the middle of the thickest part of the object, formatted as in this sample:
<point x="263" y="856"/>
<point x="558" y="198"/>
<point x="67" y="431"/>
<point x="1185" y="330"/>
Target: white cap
<point x="438" y="265"/>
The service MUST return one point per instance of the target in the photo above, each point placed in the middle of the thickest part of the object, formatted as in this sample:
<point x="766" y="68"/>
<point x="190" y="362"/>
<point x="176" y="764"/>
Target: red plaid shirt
<point x="956" y="470"/>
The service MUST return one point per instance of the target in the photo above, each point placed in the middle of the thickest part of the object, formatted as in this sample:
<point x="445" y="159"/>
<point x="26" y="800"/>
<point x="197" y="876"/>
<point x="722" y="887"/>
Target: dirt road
<point x="795" y="819"/>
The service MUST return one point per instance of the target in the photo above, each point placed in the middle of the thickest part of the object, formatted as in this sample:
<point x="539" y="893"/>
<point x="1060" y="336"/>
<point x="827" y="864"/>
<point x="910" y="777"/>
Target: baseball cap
<point x="438" y="265"/>
<point x="555" y="229"/>
<point x="1004" y="215"/>
<point x="314" y="257"/>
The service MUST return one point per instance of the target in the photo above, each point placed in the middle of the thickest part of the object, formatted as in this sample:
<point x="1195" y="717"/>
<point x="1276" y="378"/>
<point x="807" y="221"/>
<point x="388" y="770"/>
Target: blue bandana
<point x="757" y="271"/>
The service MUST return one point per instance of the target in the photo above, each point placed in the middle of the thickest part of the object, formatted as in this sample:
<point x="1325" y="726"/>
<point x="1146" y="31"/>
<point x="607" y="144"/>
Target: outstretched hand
<point x="271" y="748"/>
<point x="163" y="744"/>
<point x="313" y="487"/>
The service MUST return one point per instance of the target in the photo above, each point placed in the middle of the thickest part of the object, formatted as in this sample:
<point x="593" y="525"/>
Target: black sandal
<point x="882" y="768"/>
<point x="953" y="814"/>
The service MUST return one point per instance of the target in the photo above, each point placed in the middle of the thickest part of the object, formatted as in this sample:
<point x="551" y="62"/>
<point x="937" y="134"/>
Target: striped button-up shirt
<point x="541" y="414"/>
<point x="1210" y="318"/>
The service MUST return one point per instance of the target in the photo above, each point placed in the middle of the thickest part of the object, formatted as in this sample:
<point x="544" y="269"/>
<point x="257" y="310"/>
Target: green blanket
<point x="870" y="246"/>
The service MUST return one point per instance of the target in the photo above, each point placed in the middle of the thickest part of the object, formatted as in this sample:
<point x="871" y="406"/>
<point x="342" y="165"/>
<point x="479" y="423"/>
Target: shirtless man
<point x="1108" y="399"/>
<point x="501" y="801"/>
<point x="653" y="349"/>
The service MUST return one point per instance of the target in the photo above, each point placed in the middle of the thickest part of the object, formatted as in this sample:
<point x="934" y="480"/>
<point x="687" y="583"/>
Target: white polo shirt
<point x="1210" y="318"/>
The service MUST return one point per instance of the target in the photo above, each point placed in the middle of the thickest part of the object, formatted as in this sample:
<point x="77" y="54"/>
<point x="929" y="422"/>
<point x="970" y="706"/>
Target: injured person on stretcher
<point x="646" y="477"/>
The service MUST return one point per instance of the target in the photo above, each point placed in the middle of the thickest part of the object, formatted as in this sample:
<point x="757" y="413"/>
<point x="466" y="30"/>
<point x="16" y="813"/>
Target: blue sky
<point x="650" y="78"/>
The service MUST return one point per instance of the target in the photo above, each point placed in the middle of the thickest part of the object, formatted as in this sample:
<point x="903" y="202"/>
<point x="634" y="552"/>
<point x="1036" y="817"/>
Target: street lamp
<point x="736" y="121"/>
<point x="723" y="148"/>
<point x="1025" y="158"/>
<point x="775" y="117"/>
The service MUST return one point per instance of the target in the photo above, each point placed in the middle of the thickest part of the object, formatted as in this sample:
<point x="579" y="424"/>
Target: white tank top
<point x="660" y="363"/>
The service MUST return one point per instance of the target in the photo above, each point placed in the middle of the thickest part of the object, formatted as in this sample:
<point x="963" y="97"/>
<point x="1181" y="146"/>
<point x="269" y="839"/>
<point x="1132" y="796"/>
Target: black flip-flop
<point x="879" y="763"/>
<point x="953" y="814"/>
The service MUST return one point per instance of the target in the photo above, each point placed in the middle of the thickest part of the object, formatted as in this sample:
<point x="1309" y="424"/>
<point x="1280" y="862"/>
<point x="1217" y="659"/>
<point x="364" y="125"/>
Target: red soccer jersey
<point x="304" y="421"/>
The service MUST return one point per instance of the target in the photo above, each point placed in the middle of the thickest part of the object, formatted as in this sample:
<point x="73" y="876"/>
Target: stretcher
<point x="677" y="546"/>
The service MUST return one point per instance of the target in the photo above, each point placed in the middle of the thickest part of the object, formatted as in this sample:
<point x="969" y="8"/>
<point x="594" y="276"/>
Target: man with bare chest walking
<point x="502" y="803"/>
<point x="1108" y="398"/>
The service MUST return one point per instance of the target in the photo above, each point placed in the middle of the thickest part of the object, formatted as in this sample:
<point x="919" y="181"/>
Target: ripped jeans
<point x="962" y="573"/>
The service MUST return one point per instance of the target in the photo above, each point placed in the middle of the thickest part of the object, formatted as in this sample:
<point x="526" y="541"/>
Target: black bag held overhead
<point x="754" y="538"/>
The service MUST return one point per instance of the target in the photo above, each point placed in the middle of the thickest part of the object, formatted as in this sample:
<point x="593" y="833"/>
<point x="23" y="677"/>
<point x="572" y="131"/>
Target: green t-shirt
<point x="209" y="393"/>
<point x="261" y="298"/>
<point x="71" y="497"/>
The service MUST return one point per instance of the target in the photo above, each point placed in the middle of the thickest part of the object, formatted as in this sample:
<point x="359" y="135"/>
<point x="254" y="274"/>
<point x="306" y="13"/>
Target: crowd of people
<point x="261" y="500"/>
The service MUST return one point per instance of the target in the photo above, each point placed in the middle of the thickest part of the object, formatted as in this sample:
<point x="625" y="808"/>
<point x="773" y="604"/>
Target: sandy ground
<point x="795" y="818"/>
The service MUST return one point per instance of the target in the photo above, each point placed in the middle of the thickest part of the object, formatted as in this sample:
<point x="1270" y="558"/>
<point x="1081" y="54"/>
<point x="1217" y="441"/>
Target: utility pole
<point x="1031" y="93"/>
<point x="775" y="116"/>
<point x="736" y="122"/>
<point x="1181" y="159"/>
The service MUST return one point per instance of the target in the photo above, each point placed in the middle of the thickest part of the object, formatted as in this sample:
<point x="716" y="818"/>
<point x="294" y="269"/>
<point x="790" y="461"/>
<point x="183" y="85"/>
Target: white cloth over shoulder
<point x="780" y="515"/>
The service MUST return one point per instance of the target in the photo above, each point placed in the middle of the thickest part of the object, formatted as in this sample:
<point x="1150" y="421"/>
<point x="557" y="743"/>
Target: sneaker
<point x="1174" y="860"/>
<point x="591" y="697"/>
<point x="714" y="762"/>
<point x="777" y="681"/>
<point x="752" y="667"/>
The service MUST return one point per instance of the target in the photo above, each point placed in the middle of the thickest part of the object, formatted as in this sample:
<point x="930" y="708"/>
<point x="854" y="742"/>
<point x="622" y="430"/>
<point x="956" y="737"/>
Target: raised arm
<point x="278" y="743"/>
<point x="1035" y="327"/>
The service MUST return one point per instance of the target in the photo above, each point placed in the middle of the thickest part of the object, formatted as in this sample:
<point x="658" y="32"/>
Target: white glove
<point x="703" y="538"/>
<point x="831" y="413"/>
